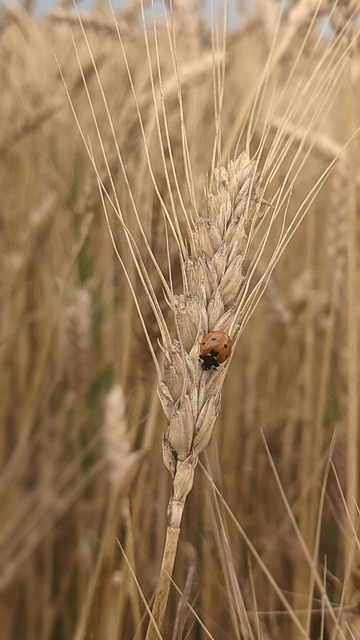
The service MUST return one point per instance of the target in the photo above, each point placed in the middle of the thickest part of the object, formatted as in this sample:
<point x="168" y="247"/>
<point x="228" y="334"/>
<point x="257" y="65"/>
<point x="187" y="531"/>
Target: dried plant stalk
<point x="213" y="284"/>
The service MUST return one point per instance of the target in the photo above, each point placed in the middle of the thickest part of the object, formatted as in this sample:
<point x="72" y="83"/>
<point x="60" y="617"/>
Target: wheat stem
<point x="163" y="585"/>
<point x="213" y="283"/>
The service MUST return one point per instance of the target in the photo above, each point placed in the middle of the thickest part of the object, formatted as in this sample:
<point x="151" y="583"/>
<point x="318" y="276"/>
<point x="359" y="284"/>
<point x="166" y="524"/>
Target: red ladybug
<point x="215" y="349"/>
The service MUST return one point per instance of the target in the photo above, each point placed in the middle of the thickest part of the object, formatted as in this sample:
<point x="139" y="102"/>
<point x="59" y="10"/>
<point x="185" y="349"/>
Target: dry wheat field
<point x="166" y="172"/>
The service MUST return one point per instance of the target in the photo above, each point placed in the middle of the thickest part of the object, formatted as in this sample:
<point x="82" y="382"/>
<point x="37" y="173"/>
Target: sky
<point x="45" y="5"/>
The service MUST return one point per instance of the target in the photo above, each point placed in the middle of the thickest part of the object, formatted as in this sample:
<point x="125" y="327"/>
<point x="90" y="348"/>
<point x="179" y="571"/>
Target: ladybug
<point x="215" y="349"/>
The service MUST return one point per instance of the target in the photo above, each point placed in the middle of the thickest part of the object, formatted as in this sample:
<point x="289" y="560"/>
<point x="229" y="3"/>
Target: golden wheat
<point x="268" y="536"/>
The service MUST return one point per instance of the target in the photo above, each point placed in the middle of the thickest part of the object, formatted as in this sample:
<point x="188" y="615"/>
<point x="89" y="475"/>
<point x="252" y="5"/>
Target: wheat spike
<point x="213" y="282"/>
<point x="338" y="222"/>
<point x="122" y="463"/>
<point x="78" y="326"/>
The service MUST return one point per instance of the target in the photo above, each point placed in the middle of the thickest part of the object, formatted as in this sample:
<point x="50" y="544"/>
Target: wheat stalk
<point x="213" y="283"/>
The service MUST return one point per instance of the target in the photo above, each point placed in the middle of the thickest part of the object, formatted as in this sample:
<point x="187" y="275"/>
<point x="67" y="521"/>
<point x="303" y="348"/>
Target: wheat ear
<point x="213" y="284"/>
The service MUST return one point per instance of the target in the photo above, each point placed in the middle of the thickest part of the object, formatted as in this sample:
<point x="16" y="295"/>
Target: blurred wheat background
<point x="269" y="543"/>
